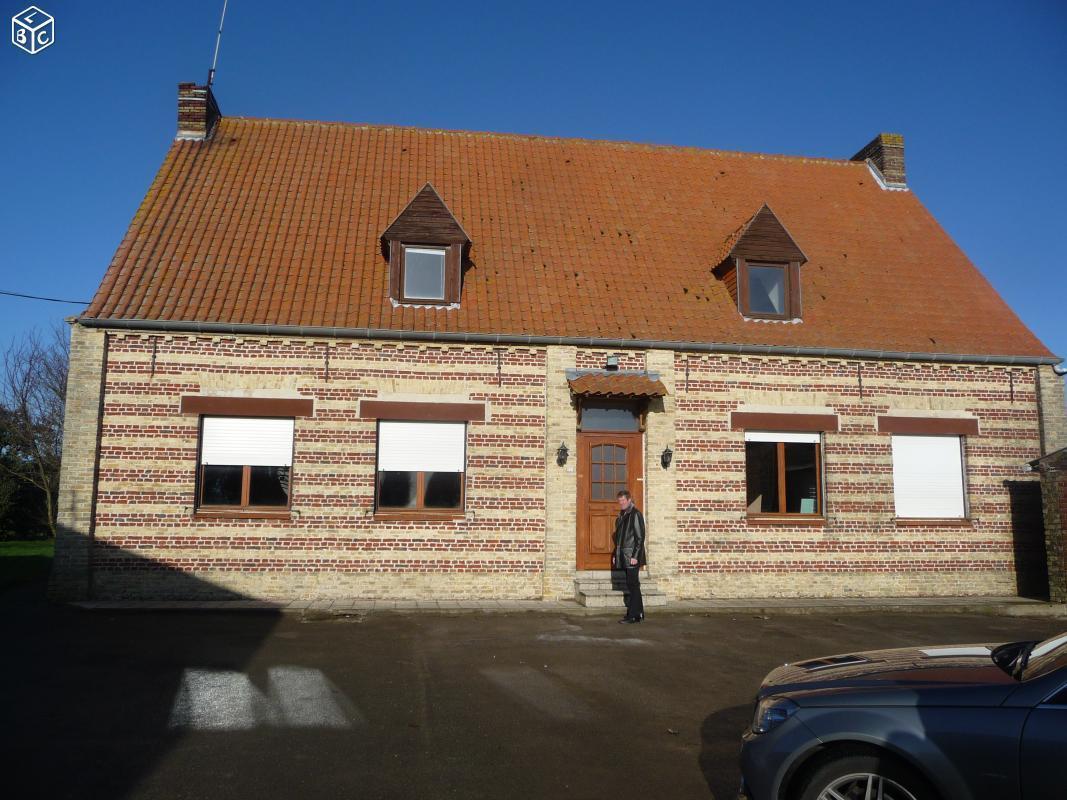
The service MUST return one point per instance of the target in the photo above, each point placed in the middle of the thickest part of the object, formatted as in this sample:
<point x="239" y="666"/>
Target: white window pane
<point x="247" y="441"/>
<point x="424" y="273"/>
<point x="928" y="476"/>
<point x="766" y="290"/>
<point x="779" y="436"/>
<point x="421" y="446"/>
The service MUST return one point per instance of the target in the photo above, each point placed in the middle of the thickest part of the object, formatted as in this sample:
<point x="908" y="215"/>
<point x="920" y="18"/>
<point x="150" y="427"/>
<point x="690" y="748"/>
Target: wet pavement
<point x="406" y="704"/>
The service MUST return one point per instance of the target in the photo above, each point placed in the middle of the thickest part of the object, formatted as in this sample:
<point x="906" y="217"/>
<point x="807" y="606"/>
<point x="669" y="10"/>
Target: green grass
<point x="24" y="562"/>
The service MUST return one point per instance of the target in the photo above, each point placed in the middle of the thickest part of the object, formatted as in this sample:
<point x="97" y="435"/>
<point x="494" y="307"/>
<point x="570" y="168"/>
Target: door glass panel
<point x="609" y="471"/>
<point x="605" y="417"/>
<point x="606" y="471"/>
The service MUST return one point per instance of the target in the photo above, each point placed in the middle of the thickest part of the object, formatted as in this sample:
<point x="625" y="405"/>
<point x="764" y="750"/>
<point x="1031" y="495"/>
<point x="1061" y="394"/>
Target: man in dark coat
<point x="630" y="554"/>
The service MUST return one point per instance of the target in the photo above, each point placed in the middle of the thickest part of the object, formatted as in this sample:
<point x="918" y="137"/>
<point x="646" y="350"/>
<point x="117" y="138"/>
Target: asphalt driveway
<point x="404" y="705"/>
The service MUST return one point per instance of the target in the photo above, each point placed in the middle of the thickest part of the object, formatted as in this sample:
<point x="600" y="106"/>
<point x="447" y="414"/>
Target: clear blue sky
<point x="978" y="89"/>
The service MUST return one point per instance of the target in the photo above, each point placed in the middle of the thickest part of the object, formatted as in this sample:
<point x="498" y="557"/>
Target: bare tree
<point x="33" y="390"/>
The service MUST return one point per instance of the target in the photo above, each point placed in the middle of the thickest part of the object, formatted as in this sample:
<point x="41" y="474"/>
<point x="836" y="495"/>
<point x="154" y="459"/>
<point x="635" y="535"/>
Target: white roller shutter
<point x="421" y="446"/>
<point x="928" y="476"/>
<point x="778" y="436"/>
<point x="247" y="441"/>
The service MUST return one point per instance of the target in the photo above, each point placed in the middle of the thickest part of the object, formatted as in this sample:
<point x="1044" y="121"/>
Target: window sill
<point x="421" y="515"/>
<point x="934" y="522"/>
<point x="785" y="519"/>
<point x="242" y="513"/>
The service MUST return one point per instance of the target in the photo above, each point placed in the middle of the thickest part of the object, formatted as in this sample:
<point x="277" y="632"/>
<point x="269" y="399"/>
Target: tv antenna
<point x="218" y="41"/>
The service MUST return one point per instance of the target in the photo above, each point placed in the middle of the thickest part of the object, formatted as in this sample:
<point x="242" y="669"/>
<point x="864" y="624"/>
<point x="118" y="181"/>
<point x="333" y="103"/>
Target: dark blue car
<point x="974" y="722"/>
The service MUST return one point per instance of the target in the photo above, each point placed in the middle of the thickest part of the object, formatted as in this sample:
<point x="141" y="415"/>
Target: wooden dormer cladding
<point x="426" y="222"/>
<point x="762" y="242"/>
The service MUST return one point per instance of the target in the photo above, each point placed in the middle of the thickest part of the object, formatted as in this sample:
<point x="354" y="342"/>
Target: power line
<point x="48" y="299"/>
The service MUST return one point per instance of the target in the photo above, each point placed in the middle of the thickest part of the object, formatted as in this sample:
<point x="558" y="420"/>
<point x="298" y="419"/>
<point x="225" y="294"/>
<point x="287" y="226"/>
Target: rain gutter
<point x="450" y="337"/>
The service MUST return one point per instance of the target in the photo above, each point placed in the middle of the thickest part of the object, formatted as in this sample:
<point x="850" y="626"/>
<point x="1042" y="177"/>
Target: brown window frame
<point x="244" y="509"/>
<point x="453" y="263"/>
<point x="819" y="488"/>
<point x="791" y="273"/>
<point x="420" y="510"/>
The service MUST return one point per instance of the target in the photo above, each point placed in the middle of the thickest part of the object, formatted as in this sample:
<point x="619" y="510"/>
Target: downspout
<point x="547" y="467"/>
<point x="1040" y="411"/>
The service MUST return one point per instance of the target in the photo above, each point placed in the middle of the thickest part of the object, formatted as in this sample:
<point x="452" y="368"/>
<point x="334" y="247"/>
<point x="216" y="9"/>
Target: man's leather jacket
<point x="629" y="537"/>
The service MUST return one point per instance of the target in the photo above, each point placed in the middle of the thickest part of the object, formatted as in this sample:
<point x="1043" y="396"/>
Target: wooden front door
<point x="607" y="462"/>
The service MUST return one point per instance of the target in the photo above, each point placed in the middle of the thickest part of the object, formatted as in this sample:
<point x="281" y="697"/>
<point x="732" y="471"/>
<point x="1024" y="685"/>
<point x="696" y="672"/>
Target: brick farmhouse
<point x="360" y="361"/>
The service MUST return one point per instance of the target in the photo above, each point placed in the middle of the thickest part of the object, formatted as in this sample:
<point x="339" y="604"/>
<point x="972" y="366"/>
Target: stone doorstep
<point x="1004" y="606"/>
<point x="606" y="590"/>
<point x="616" y="600"/>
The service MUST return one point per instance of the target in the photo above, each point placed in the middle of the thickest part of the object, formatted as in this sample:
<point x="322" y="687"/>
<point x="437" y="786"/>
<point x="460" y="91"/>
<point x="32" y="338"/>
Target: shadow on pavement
<point x="96" y="728"/>
<point x="720" y="744"/>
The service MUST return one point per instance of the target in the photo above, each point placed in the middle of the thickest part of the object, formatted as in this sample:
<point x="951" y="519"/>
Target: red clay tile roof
<point x="617" y="385"/>
<point x="278" y="222"/>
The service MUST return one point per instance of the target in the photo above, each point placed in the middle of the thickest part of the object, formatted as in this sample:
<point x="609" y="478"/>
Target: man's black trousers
<point x="635" y="605"/>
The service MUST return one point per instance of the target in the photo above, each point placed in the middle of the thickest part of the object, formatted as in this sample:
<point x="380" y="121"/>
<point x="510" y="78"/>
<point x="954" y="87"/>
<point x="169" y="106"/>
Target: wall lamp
<point x="666" y="456"/>
<point x="562" y="454"/>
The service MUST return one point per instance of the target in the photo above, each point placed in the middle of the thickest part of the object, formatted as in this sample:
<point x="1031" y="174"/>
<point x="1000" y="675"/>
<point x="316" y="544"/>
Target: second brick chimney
<point x="197" y="112"/>
<point x="886" y="152"/>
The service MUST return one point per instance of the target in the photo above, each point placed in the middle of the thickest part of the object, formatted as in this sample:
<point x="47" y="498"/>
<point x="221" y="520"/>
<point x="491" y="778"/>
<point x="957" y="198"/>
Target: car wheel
<point x="864" y="777"/>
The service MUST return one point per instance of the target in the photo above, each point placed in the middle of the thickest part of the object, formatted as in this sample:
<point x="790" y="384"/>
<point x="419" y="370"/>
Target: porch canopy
<point x="616" y="384"/>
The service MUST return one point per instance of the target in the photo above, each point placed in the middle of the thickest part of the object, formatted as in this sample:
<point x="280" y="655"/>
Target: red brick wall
<point x="149" y="542"/>
<point x="860" y="549"/>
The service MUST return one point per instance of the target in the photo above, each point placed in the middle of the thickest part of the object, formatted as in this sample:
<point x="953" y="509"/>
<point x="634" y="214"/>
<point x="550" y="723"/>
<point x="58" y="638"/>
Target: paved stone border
<point x="1007" y="606"/>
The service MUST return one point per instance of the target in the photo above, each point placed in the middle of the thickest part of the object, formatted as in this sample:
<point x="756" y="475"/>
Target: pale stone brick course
<point x="70" y="568"/>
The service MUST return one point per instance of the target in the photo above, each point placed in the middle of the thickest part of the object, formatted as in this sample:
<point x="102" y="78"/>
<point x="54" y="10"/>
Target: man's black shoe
<point x="628" y="621"/>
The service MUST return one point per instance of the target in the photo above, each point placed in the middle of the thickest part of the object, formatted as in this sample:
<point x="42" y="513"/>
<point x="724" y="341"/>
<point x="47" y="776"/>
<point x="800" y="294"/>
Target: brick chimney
<point x="886" y="152"/>
<point x="197" y="112"/>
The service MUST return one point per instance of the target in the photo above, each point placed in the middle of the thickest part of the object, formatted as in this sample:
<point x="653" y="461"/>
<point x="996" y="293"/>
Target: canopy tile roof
<point x="279" y="222"/>
<point x="617" y="384"/>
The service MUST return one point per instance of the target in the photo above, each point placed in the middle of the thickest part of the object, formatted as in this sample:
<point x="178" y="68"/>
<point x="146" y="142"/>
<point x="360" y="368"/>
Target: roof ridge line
<point x="622" y="143"/>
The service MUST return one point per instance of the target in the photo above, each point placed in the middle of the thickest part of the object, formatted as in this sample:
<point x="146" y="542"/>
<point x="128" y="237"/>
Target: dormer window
<point x="761" y="269"/>
<point x="424" y="273"/>
<point x="765" y="290"/>
<point x="426" y="247"/>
